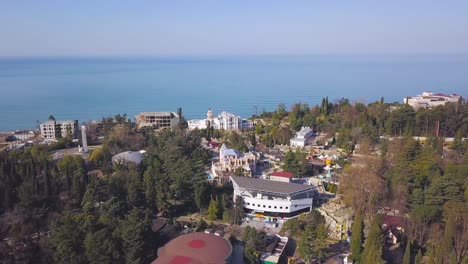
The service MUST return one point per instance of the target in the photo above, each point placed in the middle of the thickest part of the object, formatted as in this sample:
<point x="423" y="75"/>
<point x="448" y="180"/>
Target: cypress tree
<point x="418" y="259"/>
<point x="372" y="253"/>
<point x="357" y="237"/>
<point x="407" y="256"/>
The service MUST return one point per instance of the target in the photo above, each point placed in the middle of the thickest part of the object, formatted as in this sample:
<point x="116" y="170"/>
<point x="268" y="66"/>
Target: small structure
<point x="301" y="137"/>
<point x="23" y="135"/>
<point x="129" y="156"/>
<point x="338" y="218"/>
<point x="195" y="248"/>
<point x="274" y="249"/>
<point x="282" y="176"/>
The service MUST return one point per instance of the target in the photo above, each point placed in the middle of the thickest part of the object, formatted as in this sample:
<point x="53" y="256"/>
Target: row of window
<point x="275" y="207"/>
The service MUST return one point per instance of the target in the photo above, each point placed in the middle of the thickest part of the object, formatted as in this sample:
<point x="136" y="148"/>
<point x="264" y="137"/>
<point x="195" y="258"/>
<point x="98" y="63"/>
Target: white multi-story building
<point x="430" y="100"/>
<point x="56" y="129"/>
<point x="225" y="120"/>
<point x="273" y="201"/>
<point x="158" y="120"/>
<point x="301" y="137"/>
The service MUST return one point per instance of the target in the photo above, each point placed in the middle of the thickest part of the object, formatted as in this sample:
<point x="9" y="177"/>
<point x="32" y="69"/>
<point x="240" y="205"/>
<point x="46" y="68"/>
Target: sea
<point x="89" y="88"/>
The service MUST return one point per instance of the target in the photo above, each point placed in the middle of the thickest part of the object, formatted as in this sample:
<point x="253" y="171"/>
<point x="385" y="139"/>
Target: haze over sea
<point x="89" y="88"/>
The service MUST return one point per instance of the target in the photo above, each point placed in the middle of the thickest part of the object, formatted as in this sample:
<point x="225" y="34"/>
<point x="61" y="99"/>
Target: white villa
<point x="225" y="120"/>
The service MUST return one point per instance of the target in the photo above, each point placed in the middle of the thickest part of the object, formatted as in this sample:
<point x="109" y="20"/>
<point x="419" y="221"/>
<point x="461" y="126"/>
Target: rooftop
<point x="157" y="113"/>
<point x="260" y="185"/>
<point x="284" y="174"/>
<point x="195" y="248"/>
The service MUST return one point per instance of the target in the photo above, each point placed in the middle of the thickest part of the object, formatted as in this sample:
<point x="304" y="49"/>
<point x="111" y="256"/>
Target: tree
<point x="357" y="237"/>
<point x="212" y="210"/>
<point x="372" y="253"/>
<point x="200" y="194"/>
<point x="305" y="244"/>
<point x="67" y="240"/>
<point x="418" y="259"/>
<point x="134" y="230"/>
<point x="101" y="247"/>
<point x="407" y="256"/>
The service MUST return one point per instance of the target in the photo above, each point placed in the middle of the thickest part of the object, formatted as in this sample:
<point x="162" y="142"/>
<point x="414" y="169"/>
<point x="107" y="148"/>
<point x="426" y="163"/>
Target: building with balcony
<point x="430" y="100"/>
<point x="273" y="201"/>
<point x="157" y="120"/>
<point x="56" y="129"/>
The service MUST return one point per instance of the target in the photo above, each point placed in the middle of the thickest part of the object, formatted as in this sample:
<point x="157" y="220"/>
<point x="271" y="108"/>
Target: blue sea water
<point x="89" y="88"/>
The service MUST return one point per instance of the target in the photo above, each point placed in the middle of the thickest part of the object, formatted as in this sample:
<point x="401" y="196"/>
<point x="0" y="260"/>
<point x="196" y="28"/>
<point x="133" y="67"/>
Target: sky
<point x="259" y="27"/>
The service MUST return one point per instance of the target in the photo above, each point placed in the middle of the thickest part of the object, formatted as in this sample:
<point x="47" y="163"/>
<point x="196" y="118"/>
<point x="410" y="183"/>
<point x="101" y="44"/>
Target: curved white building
<point x="225" y="120"/>
<point x="275" y="201"/>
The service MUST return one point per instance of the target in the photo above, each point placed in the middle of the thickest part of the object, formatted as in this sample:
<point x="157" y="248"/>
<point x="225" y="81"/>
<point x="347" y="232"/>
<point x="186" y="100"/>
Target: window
<point x="248" y="203"/>
<point x="295" y="205"/>
<point x="264" y="206"/>
<point x="269" y="206"/>
<point x="275" y="207"/>
<point x="287" y="207"/>
<point x="281" y="207"/>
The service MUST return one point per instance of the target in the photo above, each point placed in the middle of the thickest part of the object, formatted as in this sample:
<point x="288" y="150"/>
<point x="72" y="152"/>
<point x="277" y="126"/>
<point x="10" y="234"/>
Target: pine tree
<point x="372" y="253"/>
<point x="357" y="238"/>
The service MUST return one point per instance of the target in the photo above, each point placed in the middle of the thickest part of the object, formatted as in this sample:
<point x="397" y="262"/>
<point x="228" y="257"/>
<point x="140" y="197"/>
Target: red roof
<point x="284" y="174"/>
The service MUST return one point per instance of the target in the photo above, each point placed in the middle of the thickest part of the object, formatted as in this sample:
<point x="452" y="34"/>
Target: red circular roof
<point x="195" y="248"/>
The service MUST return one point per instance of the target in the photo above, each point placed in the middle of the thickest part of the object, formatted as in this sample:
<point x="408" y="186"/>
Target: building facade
<point x="57" y="129"/>
<point x="273" y="201"/>
<point x="225" y="121"/>
<point x="430" y="100"/>
<point x="157" y="120"/>
<point x="300" y="140"/>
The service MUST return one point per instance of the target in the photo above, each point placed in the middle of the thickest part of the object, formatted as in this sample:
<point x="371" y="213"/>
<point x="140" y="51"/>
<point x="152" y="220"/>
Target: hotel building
<point x="273" y="201"/>
<point x="301" y="137"/>
<point x="430" y="100"/>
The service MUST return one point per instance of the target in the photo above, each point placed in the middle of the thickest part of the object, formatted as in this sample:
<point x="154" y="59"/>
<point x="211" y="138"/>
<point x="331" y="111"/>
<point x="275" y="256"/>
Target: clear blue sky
<point x="197" y="27"/>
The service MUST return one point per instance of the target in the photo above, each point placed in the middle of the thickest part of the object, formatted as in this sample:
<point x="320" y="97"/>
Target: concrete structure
<point x="129" y="156"/>
<point x="282" y="176"/>
<point x="430" y="100"/>
<point x="232" y="159"/>
<point x="57" y="129"/>
<point x="225" y="120"/>
<point x="158" y="120"/>
<point x="273" y="201"/>
<point x="84" y="139"/>
<point x="274" y="249"/>
<point x="196" y="248"/>
<point x="301" y="137"/>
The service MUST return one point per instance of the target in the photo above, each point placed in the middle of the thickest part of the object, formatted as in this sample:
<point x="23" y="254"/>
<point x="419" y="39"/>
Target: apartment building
<point x="56" y="129"/>
<point x="430" y="100"/>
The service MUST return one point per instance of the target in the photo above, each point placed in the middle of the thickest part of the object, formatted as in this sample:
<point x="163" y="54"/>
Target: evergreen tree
<point x="133" y="231"/>
<point x="357" y="237"/>
<point x="418" y="259"/>
<point x="407" y="256"/>
<point x="212" y="210"/>
<point x="372" y="253"/>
